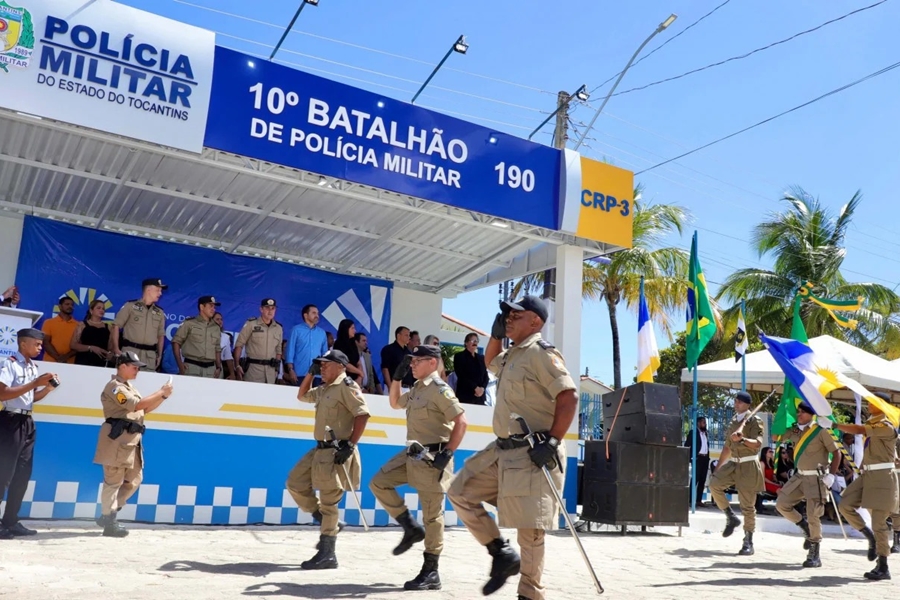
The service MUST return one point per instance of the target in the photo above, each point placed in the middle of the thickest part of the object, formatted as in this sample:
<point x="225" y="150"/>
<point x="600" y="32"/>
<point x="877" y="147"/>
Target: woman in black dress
<point x="346" y="344"/>
<point x="471" y="373"/>
<point x="91" y="338"/>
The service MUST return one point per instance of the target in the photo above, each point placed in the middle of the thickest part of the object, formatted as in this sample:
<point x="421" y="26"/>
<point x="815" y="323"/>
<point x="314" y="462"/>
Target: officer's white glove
<point x="825" y="422"/>
<point x="828" y="480"/>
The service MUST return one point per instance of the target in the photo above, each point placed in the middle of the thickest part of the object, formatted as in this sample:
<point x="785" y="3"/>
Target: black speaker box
<point x="635" y="463"/>
<point x="616" y="503"/>
<point x="642" y="398"/>
<point x="644" y="428"/>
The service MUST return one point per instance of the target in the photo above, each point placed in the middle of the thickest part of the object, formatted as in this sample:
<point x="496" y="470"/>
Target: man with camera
<point x="19" y="383"/>
<point x="436" y="420"/>
<point x="119" y="448"/>
<point x="262" y="337"/>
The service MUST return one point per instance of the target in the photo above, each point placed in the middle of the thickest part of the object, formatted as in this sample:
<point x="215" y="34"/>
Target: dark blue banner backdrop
<point x="58" y="259"/>
<point x="279" y="114"/>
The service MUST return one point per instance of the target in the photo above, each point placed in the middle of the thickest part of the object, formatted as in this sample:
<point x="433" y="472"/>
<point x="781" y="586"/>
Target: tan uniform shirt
<point x="337" y="405"/>
<point x="119" y="399"/>
<point x="141" y="324"/>
<point x="880" y="488"/>
<point x="531" y="375"/>
<point x="752" y="431"/>
<point x="816" y="451"/>
<point x="199" y="339"/>
<point x="430" y="407"/>
<point x="261" y="341"/>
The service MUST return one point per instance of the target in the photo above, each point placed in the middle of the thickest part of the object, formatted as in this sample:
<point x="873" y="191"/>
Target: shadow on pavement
<point x="768" y="582"/>
<point x="248" y="569"/>
<point x="320" y="590"/>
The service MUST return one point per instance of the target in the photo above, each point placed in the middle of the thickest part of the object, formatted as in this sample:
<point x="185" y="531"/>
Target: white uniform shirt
<point x="16" y="370"/>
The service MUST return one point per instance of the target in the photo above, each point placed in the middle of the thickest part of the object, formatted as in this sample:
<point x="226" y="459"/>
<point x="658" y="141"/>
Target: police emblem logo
<point x="16" y="37"/>
<point x="121" y="398"/>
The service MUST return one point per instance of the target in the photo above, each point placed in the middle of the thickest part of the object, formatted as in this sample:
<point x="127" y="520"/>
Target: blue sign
<point x="58" y="259"/>
<point x="274" y="113"/>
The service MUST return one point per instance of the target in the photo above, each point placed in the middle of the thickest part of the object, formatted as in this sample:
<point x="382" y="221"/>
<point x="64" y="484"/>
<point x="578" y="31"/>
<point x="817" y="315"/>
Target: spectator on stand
<point x="330" y="338"/>
<point x="471" y="372"/>
<point x="91" y="338"/>
<point x="58" y="333"/>
<point x="432" y="340"/>
<point x="414" y="340"/>
<point x="227" y="346"/>
<point x="370" y="383"/>
<point x="10" y="297"/>
<point x="346" y="343"/>
<point x="307" y="341"/>
<point x="702" y="456"/>
<point x="393" y="354"/>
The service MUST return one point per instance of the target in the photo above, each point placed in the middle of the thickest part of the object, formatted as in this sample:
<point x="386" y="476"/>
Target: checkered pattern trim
<point x="228" y="506"/>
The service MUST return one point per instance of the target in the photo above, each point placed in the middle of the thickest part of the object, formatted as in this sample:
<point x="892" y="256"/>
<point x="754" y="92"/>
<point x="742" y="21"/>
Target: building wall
<point x="10" y="240"/>
<point x="417" y="310"/>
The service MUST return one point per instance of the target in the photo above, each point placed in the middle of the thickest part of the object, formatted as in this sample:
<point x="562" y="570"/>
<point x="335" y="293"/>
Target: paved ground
<point x="69" y="561"/>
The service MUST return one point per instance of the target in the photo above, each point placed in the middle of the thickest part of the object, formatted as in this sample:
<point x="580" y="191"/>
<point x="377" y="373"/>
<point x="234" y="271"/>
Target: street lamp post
<point x="459" y="46"/>
<point x="290" y="26"/>
<point x="661" y="27"/>
<point x="581" y="93"/>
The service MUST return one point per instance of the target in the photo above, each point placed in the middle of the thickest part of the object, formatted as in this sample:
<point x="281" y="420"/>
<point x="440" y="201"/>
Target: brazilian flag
<point x="701" y="323"/>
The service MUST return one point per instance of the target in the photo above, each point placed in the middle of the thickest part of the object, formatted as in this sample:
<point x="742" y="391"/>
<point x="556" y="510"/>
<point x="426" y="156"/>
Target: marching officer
<point x="810" y="482"/>
<point x="435" y="419"/>
<point x="197" y="345"/>
<point x="19" y="383"/>
<point x="120" y="448"/>
<point x="142" y="325"/>
<point x="895" y="518"/>
<point x="534" y="383"/>
<point x="876" y="487"/>
<point x="262" y="337"/>
<point x="739" y="467"/>
<point x="341" y="406"/>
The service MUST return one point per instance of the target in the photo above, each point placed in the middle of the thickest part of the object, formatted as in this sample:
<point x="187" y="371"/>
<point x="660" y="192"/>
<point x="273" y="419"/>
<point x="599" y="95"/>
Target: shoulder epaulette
<point x="545" y="344"/>
<point x="277" y="323"/>
<point x="157" y="307"/>
<point x="348" y="381"/>
<point x="130" y="301"/>
<point x="252" y="319"/>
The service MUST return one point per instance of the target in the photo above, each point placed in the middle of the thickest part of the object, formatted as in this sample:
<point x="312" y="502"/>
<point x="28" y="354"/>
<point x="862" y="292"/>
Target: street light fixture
<point x="662" y="26"/>
<point x="581" y="93"/>
<point x="291" y="25"/>
<point x="459" y="46"/>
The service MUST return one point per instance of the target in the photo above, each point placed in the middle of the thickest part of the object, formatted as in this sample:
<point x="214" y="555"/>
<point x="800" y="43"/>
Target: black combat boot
<point x="505" y="565"/>
<point x="812" y="557"/>
<point x="317" y="517"/>
<point x="747" y="547"/>
<point x="413" y="533"/>
<point x="880" y="571"/>
<point x="731" y="521"/>
<point x="324" y="558"/>
<point x="871" y="537"/>
<point x="804" y="525"/>
<point x="428" y="578"/>
<point x="896" y="547"/>
<point x="114" y="529"/>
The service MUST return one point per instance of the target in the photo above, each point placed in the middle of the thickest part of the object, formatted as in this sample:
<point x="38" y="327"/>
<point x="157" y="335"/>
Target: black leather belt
<point x="324" y="445"/>
<point x="130" y="344"/>
<point x="512" y="442"/>
<point x="266" y="362"/>
<point x="199" y="363"/>
<point x="435" y="447"/>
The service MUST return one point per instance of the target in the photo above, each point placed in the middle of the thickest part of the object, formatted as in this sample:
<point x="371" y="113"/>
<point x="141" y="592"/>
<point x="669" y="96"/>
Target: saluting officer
<point x="534" y="383"/>
<point x="199" y="340"/>
<point x="876" y="487"/>
<point x="812" y="444"/>
<point x="262" y="337"/>
<point x="142" y="325"/>
<point x="435" y="419"/>
<point x="120" y="447"/>
<point x="19" y="383"/>
<point x="341" y="406"/>
<point x="739" y="467"/>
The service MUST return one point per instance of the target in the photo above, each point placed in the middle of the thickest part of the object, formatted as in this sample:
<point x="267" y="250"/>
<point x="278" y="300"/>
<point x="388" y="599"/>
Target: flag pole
<point x="694" y="446"/>
<point x="744" y="355"/>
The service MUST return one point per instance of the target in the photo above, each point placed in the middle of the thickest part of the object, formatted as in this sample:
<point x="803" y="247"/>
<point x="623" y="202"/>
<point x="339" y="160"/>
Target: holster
<point x="119" y="426"/>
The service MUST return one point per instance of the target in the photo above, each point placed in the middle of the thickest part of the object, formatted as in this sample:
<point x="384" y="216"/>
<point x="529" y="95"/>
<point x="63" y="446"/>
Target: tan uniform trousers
<point x="801" y="487"/>
<point x="120" y="483"/>
<point x="725" y="477"/>
<point x="197" y="371"/>
<point x="300" y="485"/>
<point x="895" y="518"/>
<point x="481" y="487"/>
<point x="383" y="486"/>
<point x="260" y="374"/>
<point x="851" y="499"/>
<point x="146" y="356"/>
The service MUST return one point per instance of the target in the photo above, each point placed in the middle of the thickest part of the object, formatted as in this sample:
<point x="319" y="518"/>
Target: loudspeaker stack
<point x="641" y="476"/>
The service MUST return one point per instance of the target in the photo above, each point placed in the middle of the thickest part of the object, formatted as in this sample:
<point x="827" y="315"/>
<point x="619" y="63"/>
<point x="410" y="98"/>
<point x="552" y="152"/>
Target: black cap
<point x="61" y="298"/>
<point x="268" y="302"/>
<point x="744" y="397"/>
<point x="335" y="356"/>
<point x="426" y="352"/>
<point x="208" y="300"/>
<point x="30" y="333"/>
<point x="531" y="303"/>
<point x="155" y="281"/>
<point x="883" y="396"/>
<point x="129" y="358"/>
<point x="806" y="408"/>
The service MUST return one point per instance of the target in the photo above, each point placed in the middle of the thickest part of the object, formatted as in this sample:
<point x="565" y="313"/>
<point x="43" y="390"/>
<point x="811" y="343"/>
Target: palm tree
<point x="664" y="271"/>
<point x="806" y="243"/>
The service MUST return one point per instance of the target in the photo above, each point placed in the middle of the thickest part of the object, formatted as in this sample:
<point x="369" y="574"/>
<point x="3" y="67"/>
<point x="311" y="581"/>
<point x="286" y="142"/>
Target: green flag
<point x="701" y="324"/>
<point x="786" y="415"/>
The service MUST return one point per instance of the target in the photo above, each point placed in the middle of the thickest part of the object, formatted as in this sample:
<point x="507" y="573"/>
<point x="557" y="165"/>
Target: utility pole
<point x="560" y="137"/>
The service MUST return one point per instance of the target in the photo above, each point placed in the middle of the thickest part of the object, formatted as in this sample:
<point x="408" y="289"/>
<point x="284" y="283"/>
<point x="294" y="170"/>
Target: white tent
<point x="763" y="374"/>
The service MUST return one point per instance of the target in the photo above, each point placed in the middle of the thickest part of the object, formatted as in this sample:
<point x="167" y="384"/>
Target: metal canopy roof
<point x="245" y="206"/>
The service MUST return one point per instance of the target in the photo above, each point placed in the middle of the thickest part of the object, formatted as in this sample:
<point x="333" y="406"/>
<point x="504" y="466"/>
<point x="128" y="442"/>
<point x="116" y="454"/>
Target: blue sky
<point x="522" y="52"/>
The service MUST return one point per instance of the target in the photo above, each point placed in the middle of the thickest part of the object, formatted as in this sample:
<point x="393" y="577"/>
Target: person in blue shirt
<point x="307" y="342"/>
